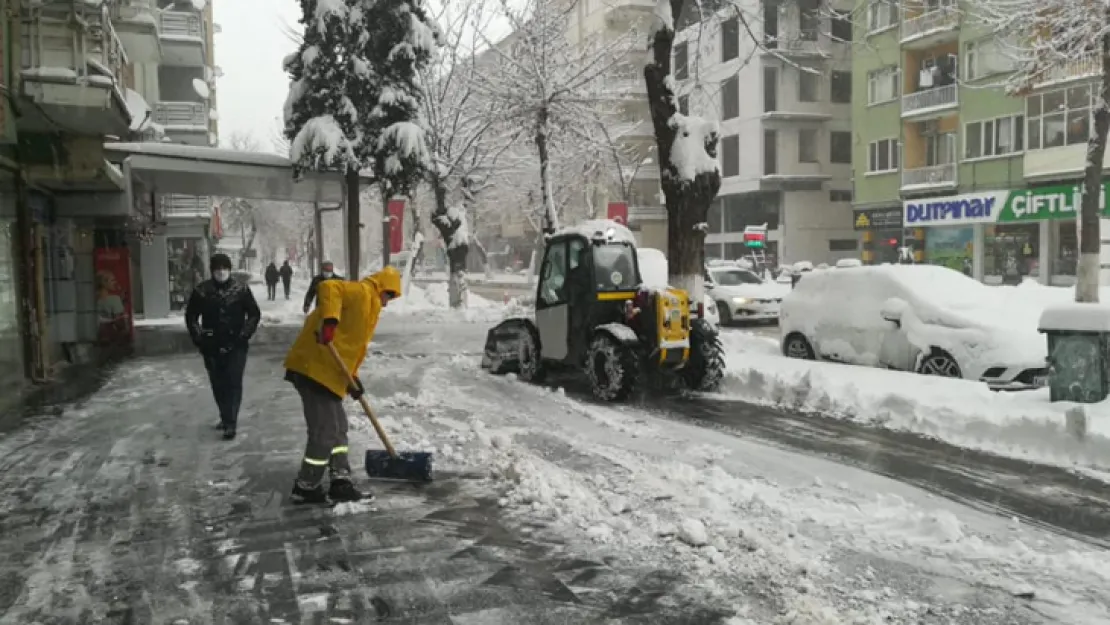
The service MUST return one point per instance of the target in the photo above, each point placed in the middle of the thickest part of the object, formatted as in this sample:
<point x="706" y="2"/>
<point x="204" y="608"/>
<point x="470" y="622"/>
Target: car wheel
<point x="725" y="314"/>
<point x="796" y="346"/>
<point x="529" y="364"/>
<point x="940" y="363"/>
<point x="612" y="367"/>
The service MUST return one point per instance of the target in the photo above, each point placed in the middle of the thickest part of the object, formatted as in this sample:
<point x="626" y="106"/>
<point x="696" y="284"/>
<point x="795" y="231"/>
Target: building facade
<point x="785" y="147"/>
<point x="950" y="168"/>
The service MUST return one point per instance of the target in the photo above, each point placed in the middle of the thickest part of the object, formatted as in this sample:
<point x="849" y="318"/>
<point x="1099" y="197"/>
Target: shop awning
<point x="203" y="171"/>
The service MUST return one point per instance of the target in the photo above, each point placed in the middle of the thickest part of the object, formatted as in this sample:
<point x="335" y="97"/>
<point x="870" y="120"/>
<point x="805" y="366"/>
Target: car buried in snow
<point x="921" y="318"/>
<point x="594" y="314"/>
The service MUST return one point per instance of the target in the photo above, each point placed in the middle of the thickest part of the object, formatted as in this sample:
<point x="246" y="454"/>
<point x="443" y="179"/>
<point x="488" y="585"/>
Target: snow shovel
<point x="412" y="466"/>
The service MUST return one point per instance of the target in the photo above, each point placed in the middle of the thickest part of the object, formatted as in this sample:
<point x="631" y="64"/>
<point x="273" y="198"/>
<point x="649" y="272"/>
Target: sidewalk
<point x="127" y="508"/>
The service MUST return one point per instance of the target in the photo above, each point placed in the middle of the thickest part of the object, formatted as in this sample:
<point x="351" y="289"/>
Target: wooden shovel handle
<point x="362" y="400"/>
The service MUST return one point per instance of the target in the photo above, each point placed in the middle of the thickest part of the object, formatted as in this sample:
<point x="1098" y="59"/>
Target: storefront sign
<point x="971" y="208"/>
<point x="1047" y="203"/>
<point x="877" y="218"/>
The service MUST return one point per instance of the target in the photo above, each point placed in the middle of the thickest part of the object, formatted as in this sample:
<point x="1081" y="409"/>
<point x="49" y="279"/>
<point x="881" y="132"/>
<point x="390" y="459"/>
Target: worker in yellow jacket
<point x="346" y="315"/>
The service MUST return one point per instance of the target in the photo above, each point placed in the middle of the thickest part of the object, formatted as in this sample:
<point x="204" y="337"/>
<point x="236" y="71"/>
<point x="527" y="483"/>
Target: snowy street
<point x="548" y="508"/>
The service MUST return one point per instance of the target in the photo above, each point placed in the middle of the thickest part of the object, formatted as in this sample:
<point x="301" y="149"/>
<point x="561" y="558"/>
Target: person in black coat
<point x="286" y="273"/>
<point x="327" y="272"/>
<point x="222" y="316"/>
<point x="272" y="277"/>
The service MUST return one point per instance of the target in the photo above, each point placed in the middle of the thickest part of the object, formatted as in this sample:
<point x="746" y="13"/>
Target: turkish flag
<point x="618" y="212"/>
<point x="396" y="226"/>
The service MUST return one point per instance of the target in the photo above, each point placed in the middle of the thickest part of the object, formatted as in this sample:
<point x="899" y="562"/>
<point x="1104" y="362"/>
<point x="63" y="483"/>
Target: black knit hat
<point x="220" y="261"/>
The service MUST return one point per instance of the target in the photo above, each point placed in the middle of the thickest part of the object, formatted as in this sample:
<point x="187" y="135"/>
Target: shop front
<point x="1003" y="237"/>
<point x="881" y="234"/>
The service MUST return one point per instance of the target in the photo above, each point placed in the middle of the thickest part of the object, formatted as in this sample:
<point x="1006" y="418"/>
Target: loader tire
<point x="613" y="368"/>
<point x="529" y="363"/>
<point x="706" y="367"/>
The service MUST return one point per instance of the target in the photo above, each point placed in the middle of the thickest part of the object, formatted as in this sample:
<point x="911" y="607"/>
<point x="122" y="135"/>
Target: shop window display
<point x="950" y="247"/>
<point x="1066" y="252"/>
<point x="1011" y="253"/>
<point x="186" y="267"/>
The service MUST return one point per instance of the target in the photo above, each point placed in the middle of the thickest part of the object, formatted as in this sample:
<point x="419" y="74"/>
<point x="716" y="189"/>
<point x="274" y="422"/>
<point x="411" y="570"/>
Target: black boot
<point x="229" y="432"/>
<point x="342" y="489"/>
<point x="304" y="494"/>
<point x="219" y="425"/>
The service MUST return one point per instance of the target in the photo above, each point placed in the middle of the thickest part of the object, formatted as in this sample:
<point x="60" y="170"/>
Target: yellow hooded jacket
<point x="356" y="305"/>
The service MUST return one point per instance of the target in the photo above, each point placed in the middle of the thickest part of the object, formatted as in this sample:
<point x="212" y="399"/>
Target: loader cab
<point x="584" y="282"/>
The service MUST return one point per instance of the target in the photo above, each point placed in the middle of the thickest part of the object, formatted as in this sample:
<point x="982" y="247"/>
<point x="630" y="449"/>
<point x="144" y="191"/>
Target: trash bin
<point x="1078" y="351"/>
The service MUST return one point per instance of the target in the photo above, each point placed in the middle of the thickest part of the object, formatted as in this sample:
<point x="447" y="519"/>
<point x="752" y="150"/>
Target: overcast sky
<point x="249" y="49"/>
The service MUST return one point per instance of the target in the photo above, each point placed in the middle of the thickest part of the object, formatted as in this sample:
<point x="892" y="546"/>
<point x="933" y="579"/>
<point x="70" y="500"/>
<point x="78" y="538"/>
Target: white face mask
<point x="221" y="275"/>
<point x="328" y="274"/>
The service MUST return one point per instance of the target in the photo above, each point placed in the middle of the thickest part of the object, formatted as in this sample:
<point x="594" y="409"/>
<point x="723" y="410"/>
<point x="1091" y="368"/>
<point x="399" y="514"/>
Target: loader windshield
<point x="615" y="267"/>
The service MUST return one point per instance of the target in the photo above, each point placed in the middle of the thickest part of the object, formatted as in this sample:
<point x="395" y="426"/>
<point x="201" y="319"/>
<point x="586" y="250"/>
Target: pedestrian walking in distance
<point x="222" y="316"/>
<point x="286" y="273"/>
<point x="272" y="277"/>
<point x="345" y="316"/>
<point x="327" y="272"/>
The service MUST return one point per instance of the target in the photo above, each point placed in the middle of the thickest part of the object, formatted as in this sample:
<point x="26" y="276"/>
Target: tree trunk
<point x="456" y="256"/>
<point x="1090" y="235"/>
<point x="550" y="218"/>
<point x="687" y="201"/>
<point x="354" y="223"/>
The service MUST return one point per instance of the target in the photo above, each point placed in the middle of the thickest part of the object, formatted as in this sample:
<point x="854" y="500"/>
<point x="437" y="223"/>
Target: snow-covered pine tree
<point x="321" y="119"/>
<point x="396" y="39"/>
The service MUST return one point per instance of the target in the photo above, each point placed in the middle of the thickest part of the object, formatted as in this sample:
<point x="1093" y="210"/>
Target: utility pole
<point x="318" y="230"/>
<point x="387" y="229"/>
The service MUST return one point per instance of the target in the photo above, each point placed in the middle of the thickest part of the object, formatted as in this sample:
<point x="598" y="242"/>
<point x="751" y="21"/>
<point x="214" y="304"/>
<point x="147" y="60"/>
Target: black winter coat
<point x="221" y="316"/>
<point x="286" y="273"/>
<point x="272" y="275"/>
<point x="316" y="280"/>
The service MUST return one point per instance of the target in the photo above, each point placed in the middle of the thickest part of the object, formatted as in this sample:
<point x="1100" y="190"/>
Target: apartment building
<point x="784" y="109"/>
<point x="949" y="166"/>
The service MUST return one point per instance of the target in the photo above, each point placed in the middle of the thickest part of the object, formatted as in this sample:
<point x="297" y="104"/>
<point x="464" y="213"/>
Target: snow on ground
<point x="429" y="302"/>
<point x="845" y="547"/>
<point x="962" y="412"/>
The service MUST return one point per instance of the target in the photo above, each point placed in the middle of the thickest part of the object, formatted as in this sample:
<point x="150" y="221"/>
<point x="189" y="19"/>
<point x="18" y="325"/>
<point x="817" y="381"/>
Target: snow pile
<point x="601" y="227"/>
<point x="690" y="155"/>
<point x="431" y="303"/>
<point x="962" y="412"/>
<point x="322" y="138"/>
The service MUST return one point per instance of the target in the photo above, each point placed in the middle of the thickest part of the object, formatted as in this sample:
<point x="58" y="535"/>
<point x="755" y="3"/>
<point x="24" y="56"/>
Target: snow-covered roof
<point x="175" y="150"/>
<point x="601" y="227"/>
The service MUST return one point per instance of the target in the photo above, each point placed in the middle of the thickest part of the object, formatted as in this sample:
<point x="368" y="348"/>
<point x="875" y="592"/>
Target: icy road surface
<point x="125" y="508"/>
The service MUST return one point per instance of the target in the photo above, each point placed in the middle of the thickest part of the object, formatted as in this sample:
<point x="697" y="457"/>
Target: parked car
<point x="922" y="318"/>
<point x="743" y="295"/>
<point x="653" y="272"/>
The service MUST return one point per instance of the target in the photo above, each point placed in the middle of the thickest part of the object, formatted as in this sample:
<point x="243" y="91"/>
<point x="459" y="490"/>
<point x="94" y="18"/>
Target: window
<point x="770" y="89"/>
<point x="730" y="98"/>
<point x="1058" y="118"/>
<point x="882" y="156"/>
<point x="881" y="15"/>
<point x="730" y="39"/>
<point x="994" y="137"/>
<point x="614" y="267"/>
<point x="808" y="19"/>
<point x="985" y="58"/>
<point x="730" y="156"/>
<point x="734" y="277"/>
<point x="840" y="147"/>
<point x="684" y="104"/>
<point x="840" y="90"/>
<point x="770" y="153"/>
<point x="770" y="25"/>
<point x="807" y="145"/>
<point x="681" y="71"/>
<point x="839" y="195"/>
<point x="807" y="86"/>
<point x="883" y="85"/>
<point x="841" y="25"/>
<point x="553" y="276"/>
<point x="843" y="245"/>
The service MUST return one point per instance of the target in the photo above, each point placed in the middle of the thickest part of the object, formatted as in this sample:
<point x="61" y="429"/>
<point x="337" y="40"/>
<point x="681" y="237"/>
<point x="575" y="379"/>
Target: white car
<point x="922" y="318"/>
<point x="742" y="295"/>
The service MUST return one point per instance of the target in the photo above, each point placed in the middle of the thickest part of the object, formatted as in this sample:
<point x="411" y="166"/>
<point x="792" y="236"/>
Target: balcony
<point x="795" y="44"/>
<point x="1080" y="68"/>
<point x="137" y="23"/>
<point x="74" y="68"/>
<point x="183" y="122"/>
<point x="933" y="177"/>
<point x="183" y="42"/>
<point x="929" y="101"/>
<point x="930" y="28"/>
<point x="646" y="213"/>
<point x="174" y="206"/>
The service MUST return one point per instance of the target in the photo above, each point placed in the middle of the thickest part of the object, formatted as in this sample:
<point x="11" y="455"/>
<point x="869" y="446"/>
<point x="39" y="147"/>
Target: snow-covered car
<point x="922" y="318"/>
<point x="742" y="295"/>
